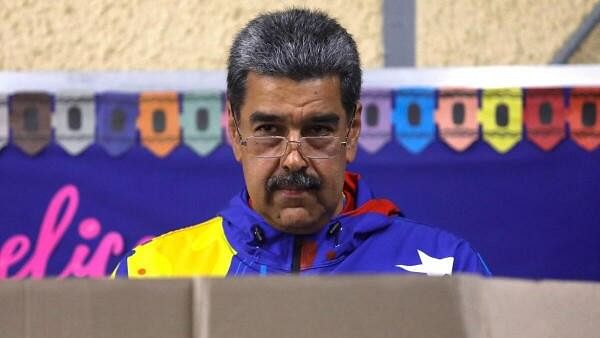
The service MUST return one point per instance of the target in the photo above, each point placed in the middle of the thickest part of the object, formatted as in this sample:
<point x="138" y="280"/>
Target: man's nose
<point x="293" y="159"/>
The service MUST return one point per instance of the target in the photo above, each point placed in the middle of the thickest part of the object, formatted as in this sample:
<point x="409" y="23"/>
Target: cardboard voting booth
<point x="369" y="306"/>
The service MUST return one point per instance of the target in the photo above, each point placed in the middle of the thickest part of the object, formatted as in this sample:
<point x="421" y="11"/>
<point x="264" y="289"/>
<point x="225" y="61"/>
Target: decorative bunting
<point x="30" y="121"/>
<point x="583" y="117"/>
<point x="117" y="114"/>
<point x="74" y="121"/>
<point x="3" y="120"/>
<point x="158" y="122"/>
<point x="456" y="117"/>
<point x="376" y="119"/>
<point x="407" y="112"/>
<point x="545" y="117"/>
<point x="413" y="118"/>
<point x="201" y="121"/>
<point x="501" y="118"/>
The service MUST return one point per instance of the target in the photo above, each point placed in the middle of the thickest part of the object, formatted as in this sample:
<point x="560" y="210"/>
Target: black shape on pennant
<point x="458" y="113"/>
<point x="414" y="114"/>
<point x="546" y="113"/>
<point x="74" y="118"/>
<point x="31" y="119"/>
<point x="372" y="115"/>
<point x="588" y="114"/>
<point x="159" y="121"/>
<point x="502" y="115"/>
<point x="117" y="121"/>
<point x="202" y="119"/>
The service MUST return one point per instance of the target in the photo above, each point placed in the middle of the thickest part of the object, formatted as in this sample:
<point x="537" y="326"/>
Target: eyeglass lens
<point x="311" y="147"/>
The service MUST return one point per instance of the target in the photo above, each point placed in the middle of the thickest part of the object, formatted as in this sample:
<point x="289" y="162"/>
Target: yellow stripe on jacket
<point x="198" y="250"/>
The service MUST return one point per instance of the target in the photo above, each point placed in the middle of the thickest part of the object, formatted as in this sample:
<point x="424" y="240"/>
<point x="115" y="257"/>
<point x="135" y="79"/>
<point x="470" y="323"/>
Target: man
<point x="294" y="82"/>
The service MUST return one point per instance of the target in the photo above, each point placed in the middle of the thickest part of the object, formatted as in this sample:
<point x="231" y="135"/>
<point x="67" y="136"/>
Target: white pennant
<point x="3" y="120"/>
<point x="74" y="121"/>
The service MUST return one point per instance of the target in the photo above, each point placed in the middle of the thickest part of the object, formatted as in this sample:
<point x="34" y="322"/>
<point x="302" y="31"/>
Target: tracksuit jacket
<point x="369" y="236"/>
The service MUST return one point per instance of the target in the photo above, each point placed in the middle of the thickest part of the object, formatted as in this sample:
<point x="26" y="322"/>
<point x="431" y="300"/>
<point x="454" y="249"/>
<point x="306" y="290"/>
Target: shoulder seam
<point x="173" y="232"/>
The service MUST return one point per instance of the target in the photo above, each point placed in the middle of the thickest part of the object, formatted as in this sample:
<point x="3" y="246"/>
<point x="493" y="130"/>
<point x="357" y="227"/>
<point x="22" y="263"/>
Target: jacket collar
<point x="259" y="243"/>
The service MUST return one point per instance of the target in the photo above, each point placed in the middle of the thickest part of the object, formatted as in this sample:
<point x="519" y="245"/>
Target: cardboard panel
<point x="12" y="309"/>
<point x="143" y="308"/>
<point x="328" y="307"/>
<point x="515" y="309"/>
<point x="373" y="306"/>
<point x="56" y="308"/>
<point x="96" y="308"/>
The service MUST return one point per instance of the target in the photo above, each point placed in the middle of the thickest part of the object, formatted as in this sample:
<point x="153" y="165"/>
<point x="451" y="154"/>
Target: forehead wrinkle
<point x="332" y="118"/>
<point x="259" y="116"/>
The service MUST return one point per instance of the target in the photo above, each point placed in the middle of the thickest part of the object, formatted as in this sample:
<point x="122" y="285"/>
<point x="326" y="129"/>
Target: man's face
<point x="278" y="106"/>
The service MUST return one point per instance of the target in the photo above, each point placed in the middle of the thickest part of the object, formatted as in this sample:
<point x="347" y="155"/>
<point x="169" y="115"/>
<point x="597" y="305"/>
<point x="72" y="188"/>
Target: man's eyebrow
<point x="258" y="116"/>
<point x="328" y="118"/>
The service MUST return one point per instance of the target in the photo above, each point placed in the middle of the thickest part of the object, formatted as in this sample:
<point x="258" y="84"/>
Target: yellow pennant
<point x="501" y="117"/>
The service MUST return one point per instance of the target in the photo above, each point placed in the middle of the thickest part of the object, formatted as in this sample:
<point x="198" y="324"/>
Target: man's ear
<point x="352" y="146"/>
<point x="232" y="133"/>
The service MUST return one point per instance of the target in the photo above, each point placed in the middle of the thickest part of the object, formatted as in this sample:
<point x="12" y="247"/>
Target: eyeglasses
<point x="313" y="147"/>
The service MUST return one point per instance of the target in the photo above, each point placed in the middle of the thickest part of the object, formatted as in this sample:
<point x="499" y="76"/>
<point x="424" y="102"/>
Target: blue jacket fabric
<point x="373" y="237"/>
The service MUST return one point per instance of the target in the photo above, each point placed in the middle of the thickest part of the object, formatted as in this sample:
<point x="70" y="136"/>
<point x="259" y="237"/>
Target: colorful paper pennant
<point x="158" y="122"/>
<point x="545" y="116"/>
<point x="413" y="118"/>
<point x="583" y="117"/>
<point x="74" y="121"/>
<point x="376" y="119"/>
<point x="117" y="113"/>
<point x="30" y="121"/>
<point x="456" y="117"/>
<point x="201" y="121"/>
<point x="501" y="118"/>
<point x="3" y="120"/>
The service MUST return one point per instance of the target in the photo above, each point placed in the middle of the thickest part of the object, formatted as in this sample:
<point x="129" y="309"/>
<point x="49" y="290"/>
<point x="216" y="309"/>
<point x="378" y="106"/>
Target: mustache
<point x="293" y="180"/>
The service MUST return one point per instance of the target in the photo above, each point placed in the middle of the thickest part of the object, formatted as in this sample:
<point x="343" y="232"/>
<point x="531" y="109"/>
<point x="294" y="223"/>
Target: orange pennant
<point x="158" y="122"/>
<point x="583" y="117"/>
<point x="456" y="117"/>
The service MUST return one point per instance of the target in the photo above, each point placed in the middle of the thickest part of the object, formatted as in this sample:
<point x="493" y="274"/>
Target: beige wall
<point x="195" y="34"/>
<point x="589" y="50"/>
<point x="480" y="32"/>
<point x="152" y="34"/>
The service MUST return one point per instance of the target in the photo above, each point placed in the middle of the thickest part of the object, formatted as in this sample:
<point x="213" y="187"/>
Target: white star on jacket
<point x="430" y="265"/>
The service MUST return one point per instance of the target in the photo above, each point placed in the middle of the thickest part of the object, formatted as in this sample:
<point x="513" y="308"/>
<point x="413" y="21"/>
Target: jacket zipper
<point x="296" y="254"/>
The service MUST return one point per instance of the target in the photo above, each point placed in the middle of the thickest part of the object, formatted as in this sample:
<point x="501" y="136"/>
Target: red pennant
<point x="545" y="116"/>
<point x="456" y="117"/>
<point x="583" y="117"/>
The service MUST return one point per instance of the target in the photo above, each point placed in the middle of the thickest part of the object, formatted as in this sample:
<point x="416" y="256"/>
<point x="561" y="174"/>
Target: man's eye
<point x="319" y="131"/>
<point x="266" y="129"/>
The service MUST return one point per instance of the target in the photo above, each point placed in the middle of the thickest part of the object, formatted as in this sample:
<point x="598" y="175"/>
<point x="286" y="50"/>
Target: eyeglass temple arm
<point x="237" y="128"/>
<point x="350" y="126"/>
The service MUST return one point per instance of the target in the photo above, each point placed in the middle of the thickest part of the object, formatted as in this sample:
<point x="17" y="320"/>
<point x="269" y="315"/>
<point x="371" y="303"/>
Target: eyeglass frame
<point x="244" y="140"/>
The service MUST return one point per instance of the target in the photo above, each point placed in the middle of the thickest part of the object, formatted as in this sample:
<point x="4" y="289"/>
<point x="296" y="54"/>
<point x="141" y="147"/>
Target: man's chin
<point x="298" y="220"/>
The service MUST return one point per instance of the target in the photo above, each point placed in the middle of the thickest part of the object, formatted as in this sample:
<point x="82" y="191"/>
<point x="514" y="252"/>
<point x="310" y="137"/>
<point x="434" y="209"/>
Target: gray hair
<point x="299" y="44"/>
